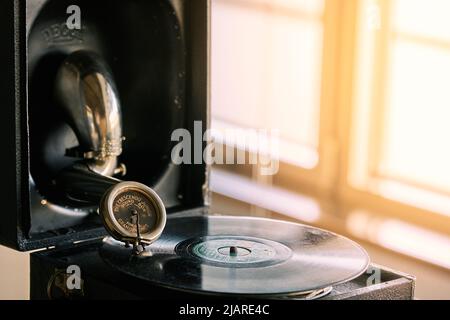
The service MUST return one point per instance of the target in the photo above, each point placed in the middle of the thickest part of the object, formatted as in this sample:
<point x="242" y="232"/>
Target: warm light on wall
<point x="266" y="70"/>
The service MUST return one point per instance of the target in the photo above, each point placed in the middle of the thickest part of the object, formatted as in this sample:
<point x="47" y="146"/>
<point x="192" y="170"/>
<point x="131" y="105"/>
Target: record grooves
<point x="242" y="256"/>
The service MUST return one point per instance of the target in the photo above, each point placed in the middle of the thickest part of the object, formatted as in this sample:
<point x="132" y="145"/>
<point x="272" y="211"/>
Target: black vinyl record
<point x="242" y="256"/>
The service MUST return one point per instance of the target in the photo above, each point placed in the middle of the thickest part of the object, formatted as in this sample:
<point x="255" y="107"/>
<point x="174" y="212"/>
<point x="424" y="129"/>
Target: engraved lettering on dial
<point x="133" y="207"/>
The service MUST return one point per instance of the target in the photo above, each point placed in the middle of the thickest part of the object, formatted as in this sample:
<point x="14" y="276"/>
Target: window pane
<point x="239" y="54"/>
<point x="294" y="81"/>
<point x="423" y="17"/>
<point x="266" y="67"/>
<point x="417" y="128"/>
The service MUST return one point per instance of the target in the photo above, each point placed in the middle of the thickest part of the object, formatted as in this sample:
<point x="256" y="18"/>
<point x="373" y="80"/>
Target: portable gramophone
<point x="88" y="114"/>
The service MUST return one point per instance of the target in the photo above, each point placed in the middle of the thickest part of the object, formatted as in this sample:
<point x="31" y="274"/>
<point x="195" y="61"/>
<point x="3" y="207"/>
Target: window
<point x="266" y="71"/>
<point x="406" y="63"/>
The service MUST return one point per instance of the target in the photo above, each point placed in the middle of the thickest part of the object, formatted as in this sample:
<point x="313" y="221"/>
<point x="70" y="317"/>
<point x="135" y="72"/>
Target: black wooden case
<point x="158" y="53"/>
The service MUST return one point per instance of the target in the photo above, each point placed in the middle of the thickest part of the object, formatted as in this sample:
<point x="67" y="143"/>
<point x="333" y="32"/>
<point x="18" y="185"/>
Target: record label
<point x="235" y="251"/>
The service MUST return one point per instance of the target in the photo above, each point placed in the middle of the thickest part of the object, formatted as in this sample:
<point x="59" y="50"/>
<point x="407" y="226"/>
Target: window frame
<point x="362" y="195"/>
<point x="330" y="181"/>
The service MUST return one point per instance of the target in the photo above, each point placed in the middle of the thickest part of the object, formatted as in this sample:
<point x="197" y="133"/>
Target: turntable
<point x="204" y="256"/>
<point x="144" y="72"/>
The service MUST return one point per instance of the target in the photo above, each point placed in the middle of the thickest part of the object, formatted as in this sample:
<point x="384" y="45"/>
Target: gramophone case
<point x="100" y="281"/>
<point x="158" y="52"/>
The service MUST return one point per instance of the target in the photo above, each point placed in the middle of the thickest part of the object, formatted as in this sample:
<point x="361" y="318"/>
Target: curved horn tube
<point x="86" y="91"/>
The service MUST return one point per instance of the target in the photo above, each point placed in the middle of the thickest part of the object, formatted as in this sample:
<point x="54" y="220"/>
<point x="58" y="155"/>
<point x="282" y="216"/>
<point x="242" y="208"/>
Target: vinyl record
<point x="242" y="256"/>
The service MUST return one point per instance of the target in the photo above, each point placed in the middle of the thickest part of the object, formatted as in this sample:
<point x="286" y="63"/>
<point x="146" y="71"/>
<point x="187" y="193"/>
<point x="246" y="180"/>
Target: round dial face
<point x="133" y="213"/>
<point x="132" y="209"/>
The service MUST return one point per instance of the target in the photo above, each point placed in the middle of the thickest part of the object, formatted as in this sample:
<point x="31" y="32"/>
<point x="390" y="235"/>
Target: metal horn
<point x="86" y="91"/>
